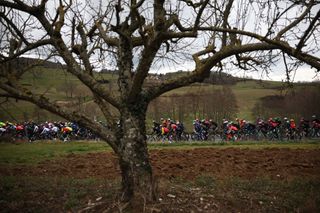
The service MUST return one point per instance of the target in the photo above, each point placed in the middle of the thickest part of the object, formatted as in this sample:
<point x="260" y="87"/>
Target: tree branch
<point x="203" y="71"/>
<point x="106" y="112"/>
<point x="110" y="41"/>
<point x="306" y="33"/>
<point x="150" y="50"/>
<point x="73" y="67"/>
<point x="19" y="6"/>
<point x="31" y="46"/>
<point x="226" y="14"/>
<point x="44" y="103"/>
<point x="82" y="49"/>
<point x="284" y="46"/>
<point x="15" y="28"/>
<point x="295" y="22"/>
<point x="199" y="15"/>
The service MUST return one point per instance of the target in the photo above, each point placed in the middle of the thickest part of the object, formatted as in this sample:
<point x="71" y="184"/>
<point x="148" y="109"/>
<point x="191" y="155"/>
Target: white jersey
<point x="55" y="129"/>
<point x="45" y="130"/>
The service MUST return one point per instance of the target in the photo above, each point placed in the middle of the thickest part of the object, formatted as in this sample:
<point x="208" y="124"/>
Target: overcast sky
<point x="304" y="73"/>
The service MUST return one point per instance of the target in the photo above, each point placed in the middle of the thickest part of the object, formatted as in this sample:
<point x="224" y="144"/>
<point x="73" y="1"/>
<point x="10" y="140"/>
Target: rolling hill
<point x="53" y="82"/>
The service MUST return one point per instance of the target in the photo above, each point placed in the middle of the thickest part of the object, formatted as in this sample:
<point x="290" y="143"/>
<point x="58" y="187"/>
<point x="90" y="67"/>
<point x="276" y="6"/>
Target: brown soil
<point x="248" y="164"/>
<point x="188" y="164"/>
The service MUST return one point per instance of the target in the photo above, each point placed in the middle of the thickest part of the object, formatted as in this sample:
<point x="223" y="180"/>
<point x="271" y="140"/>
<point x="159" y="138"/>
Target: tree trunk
<point x="137" y="180"/>
<point x="138" y="186"/>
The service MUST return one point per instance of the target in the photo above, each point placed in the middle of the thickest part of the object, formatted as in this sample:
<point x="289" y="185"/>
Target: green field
<point x="247" y="93"/>
<point x="65" y="89"/>
<point x="31" y="153"/>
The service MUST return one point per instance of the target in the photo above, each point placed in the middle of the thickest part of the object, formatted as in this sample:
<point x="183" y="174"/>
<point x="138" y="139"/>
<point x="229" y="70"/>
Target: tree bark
<point x="137" y="179"/>
<point x="138" y="186"/>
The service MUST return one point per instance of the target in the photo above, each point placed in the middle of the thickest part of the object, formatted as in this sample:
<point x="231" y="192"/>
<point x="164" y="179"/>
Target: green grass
<point x="311" y="144"/>
<point x="30" y="153"/>
<point x="248" y="97"/>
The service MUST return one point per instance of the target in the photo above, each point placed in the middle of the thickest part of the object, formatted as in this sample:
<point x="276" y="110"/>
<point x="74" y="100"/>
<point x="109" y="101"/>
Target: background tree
<point x="302" y="101"/>
<point x="134" y="37"/>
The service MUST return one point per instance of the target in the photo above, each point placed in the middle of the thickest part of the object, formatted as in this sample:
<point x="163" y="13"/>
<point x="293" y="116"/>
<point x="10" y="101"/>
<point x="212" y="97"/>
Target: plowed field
<point x="246" y="163"/>
<point x="276" y="164"/>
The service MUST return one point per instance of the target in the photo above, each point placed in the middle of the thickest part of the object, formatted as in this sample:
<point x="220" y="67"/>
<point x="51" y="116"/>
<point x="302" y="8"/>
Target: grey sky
<point x="183" y="60"/>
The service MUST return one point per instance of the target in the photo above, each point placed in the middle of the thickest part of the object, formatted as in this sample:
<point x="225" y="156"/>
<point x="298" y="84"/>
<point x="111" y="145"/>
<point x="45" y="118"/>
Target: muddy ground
<point x="187" y="166"/>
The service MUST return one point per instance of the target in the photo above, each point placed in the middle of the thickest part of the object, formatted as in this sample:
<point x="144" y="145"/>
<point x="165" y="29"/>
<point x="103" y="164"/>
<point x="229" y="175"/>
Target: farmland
<point x="246" y="176"/>
<point x="65" y="89"/>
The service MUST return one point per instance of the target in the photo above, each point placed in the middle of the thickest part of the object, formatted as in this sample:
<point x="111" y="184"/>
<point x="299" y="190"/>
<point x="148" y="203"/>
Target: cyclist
<point x="197" y="129"/>
<point x="179" y="129"/>
<point x="165" y="130"/>
<point x="2" y="128"/>
<point x="249" y="129"/>
<point x="55" y="131"/>
<point x="66" y="132"/>
<point x="213" y="129"/>
<point x="205" y="126"/>
<point x="274" y="125"/>
<point x="304" y="127"/>
<point x="315" y="127"/>
<point x="173" y="130"/>
<point x="45" y="133"/>
<point x="156" y="128"/>
<point x="30" y="127"/>
<point x="286" y="127"/>
<point x="315" y="119"/>
<point x="20" y="132"/>
<point x="2" y="124"/>
<point x="292" y="129"/>
<point x="239" y="123"/>
<point x="286" y="123"/>
<point x="224" y="127"/>
<point x="232" y="131"/>
<point x="224" y="123"/>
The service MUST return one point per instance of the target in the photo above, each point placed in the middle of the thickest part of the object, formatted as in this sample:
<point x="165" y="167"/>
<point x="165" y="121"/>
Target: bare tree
<point x="134" y="37"/>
